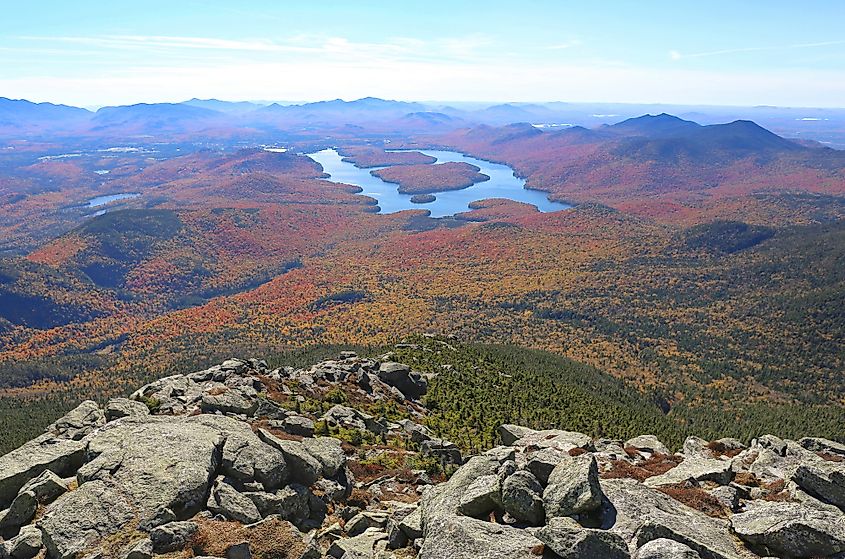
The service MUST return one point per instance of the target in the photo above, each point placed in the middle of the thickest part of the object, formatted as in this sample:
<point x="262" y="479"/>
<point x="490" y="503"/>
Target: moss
<point x="152" y="403"/>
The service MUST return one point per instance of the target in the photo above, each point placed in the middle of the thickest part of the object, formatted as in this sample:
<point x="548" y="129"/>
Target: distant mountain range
<point x="195" y="116"/>
<point x="661" y="165"/>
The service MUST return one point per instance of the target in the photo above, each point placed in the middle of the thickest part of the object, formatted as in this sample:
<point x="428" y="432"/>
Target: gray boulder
<point x="666" y="549"/>
<point x="226" y="500"/>
<point x="696" y="447"/>
<point x="46" y="487"/>
<point x="482" y="496"/>
<point x="46" y="452"/>
<point x="172" y="536"/>
<point x="328" y="453"/>
<point x="290" y="503"/>
<point x="411" y="525"/>
<point x="231" y="401"/>
<point x="271" y="410"/>
<point x="823" y="479"/>
<point x="462" y="537"/>
<point x="542" y="462"/>
<point x="142" y="549"/>
<point x="647" y="444"/>
<point x="522" y="497"/>
<point x="445" y="451"/>
<point x="359" y="523"/>
<point x="771" y="442"/>
<point x="767" y="464"/>
<point x="302" y="466"/>
<point x="21" y="511"/>
<point x="79" y="422"/>
<point x="553" y="438"/>
<point x="157" y="462"/>
<point x="80" y="519"/>
<point x="124" y="407"/>
<point x="417" y="432"/>
<point x="444" y="500"/>
<point x="790" y="529"/>
<point x="362" y="546"/>
<point x="396" y="538"/>
<point x="569" y="540"/>
<point x="297" y="425"/>
<point x="240" y="550"/>
<point x="26" y="544"/>
<point x="696" y="469"/>
<point x="817" y="444"/>
<point x="235" y="366"/>
<point x="247" y="458"/>
<point x="573" y="487"/>
<point x="349" y="418"/>
<point x="411" y="385"/>
<point x="640" y="514"/>
<point x="511" y="433"/>
<point x="727" y="496"/>
<point x="331" y="490"/>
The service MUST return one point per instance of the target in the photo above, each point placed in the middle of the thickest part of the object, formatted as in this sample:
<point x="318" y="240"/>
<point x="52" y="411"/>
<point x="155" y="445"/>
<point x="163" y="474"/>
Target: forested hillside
<point x="474" y="388"/>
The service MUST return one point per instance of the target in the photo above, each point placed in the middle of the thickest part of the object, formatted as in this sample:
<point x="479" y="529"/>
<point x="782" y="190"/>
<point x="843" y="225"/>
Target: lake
<point x="502" y="184"/>
<point x="102" y="200"/>
<point x="105" y="199"/>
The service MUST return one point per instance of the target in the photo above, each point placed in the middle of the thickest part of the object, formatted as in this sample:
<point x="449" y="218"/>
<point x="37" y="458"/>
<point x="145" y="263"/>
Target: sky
<point x="749" y="52"/>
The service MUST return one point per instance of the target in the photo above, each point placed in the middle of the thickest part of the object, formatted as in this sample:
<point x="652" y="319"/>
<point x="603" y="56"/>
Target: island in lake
<point x="424" y="179"/>
<point x="423" y="198"/>
<point x="367" y="157"/>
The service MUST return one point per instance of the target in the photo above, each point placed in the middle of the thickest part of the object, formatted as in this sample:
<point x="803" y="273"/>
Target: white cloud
<point x="675" y="55"/>
<point x="140" y="68"/>
<point x="421" y="79"/>
<point x="565" y="45"/>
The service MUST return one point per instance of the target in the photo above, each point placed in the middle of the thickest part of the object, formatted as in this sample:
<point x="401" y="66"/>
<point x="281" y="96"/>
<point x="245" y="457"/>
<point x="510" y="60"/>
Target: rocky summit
<point x="240" y="461"/>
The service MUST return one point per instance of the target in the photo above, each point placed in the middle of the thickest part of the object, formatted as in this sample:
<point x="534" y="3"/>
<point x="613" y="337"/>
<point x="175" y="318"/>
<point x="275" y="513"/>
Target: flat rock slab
<point x="698" y="469"/>
<point x="82" y="518"/>
<point x="640" y="514"/>
<point x="553" y="438"/>
<point x="461" y="537"/>
<point x="157" y="462"/>
<point x="823" y="479"/>
<point x="569" y="540"/>
<point x="791" y="529"/>
<point x="47" y="452"/>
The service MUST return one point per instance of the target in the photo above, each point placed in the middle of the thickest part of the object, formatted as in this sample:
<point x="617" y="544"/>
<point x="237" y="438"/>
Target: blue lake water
<point x="102" y="200"/>
<point x="502" y="184"/>
<point x="105" y="199"/>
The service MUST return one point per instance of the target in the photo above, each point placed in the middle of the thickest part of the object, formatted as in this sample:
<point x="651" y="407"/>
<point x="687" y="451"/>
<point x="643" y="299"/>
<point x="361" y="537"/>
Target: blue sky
<point x="752" y="52"/>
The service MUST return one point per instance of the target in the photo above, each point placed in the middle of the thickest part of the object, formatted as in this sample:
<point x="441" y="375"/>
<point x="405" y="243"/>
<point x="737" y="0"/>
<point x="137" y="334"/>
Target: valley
<point x="422" y="280"/>
<point x="672" y="256"/>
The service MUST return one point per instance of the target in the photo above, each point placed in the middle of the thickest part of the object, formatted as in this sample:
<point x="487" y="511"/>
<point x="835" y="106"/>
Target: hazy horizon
<point x="90" y="53"/>
<point x="464" y="105"/>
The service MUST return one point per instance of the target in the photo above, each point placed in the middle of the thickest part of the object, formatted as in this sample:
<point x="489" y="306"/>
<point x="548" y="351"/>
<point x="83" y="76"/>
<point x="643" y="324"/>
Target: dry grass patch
<point x="655" y="465"/>
<point x="359" y="498"/>
<point x="830" y="457"/>
<point x="720" y="449"/>
<point x="746" y="478"/>
<point x="271" y="539"/>
<point x="696" y="498"/>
